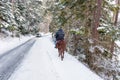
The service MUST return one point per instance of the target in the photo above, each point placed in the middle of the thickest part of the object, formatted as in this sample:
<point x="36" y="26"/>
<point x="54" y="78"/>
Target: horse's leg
<point x="62" y="54"/>
<point x="64" y="48"/>
<point x="59" y="52"/>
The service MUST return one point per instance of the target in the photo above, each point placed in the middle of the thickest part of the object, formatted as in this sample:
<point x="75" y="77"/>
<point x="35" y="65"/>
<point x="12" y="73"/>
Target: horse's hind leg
<point x="59" y="53"/>
<point x="62" y="58"/>
<point x="62" y="55"/>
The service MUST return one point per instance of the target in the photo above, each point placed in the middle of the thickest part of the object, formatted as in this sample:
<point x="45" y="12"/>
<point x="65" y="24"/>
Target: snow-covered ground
<point x="118" y="43"/>
<point x="43" y="63"/>
<point x="10" y="43"/>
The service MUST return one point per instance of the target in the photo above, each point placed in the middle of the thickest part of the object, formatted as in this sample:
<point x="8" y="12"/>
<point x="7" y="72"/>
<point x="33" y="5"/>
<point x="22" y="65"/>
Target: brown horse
<point x="61" y="45"/>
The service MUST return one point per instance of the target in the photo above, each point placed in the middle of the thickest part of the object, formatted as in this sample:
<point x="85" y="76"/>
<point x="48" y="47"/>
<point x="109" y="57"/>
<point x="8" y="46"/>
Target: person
<point x="59" y="35"/>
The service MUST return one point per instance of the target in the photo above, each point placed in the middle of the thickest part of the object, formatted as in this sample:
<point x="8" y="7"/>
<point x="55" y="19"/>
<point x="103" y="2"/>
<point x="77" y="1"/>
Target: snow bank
<point x="10" y="43"/>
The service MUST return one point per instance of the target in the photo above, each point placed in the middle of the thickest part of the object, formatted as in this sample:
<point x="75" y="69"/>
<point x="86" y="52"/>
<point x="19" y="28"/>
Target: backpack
<point x="61" y="36"/>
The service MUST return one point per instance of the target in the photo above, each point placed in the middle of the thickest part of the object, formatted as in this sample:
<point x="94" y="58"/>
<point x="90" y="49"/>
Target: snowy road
<point x="43" y="63"/>
<point x="10" y="60"/>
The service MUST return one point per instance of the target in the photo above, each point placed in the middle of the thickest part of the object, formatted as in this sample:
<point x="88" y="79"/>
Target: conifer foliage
<point x="20" y="16"/>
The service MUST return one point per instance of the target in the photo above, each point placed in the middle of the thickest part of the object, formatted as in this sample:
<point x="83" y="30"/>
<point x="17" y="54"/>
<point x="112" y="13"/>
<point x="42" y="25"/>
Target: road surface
<point x="11" y="59"/>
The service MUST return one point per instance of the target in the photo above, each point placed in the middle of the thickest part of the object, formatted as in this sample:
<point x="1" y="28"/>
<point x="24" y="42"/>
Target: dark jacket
<point x="59" y="35"/>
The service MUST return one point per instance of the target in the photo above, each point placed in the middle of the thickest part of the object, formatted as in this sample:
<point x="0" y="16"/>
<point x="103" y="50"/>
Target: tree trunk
<point x="96" y="17"/>
<point x="12" y="1"/>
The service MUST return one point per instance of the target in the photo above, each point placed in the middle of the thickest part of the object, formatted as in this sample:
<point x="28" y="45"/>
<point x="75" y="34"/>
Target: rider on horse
<point x="59" y="35"/>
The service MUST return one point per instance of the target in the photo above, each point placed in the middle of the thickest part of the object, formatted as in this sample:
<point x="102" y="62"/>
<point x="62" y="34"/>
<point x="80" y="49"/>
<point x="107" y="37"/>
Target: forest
<point x="91" y="27"/>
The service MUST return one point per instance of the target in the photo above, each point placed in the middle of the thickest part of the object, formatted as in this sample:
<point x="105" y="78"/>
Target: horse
<point x="61" y="45"/>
